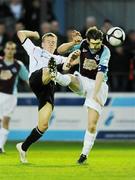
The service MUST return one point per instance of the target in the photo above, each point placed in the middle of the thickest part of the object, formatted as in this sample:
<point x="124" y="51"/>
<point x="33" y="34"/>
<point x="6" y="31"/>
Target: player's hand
<point x="72" y="60"/>
<point x="76" y="37"/>
<point x="73" y="56"/>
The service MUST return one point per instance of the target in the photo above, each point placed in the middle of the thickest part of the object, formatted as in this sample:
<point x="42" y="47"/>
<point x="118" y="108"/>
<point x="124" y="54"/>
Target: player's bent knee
<point x="43" y="127"/>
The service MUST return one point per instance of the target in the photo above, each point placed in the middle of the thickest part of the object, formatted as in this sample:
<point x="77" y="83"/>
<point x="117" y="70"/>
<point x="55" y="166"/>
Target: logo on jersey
<point x="5" y="75"/>
<point x="84" y="50"/>
<point x="14" y="70"/>
<point x="97" y="57"/>
<point x="89" y="64"/>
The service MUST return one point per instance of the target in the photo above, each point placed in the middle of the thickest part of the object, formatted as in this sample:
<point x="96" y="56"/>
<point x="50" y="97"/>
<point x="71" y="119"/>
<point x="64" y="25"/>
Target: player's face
<point x="49" y="43"/>
<point x="95" y="45"/>
<point x="10" y="50"/>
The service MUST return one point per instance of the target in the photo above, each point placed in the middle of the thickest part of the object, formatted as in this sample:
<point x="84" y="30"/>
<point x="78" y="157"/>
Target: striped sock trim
<point x="39" y="132"/>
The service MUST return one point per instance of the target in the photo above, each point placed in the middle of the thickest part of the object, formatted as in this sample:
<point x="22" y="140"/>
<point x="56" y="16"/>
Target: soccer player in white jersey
<point x="40" y="82"/>
<point x="90" y="82"/>
<point x="10" y="70"/>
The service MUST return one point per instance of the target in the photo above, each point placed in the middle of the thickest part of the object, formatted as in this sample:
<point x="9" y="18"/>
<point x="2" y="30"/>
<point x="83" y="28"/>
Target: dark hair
<point x="94" y="33"/>
<point x="107" y="21"/>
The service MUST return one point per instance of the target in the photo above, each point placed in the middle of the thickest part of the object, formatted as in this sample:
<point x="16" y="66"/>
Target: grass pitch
<point x="57" y="161"/>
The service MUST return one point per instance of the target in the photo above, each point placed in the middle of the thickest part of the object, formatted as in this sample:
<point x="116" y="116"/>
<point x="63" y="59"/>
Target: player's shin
<point x="89" y="139"/>
<point x="33" y="137"/>
<point x="3" y="137"/>
<point x="63" y="80"/>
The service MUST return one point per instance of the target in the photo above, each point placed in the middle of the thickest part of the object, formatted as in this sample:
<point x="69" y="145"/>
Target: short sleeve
<point x="105" y="57"/>
<point x="60" y="59"/>
<point x="76" y="47"/>
<point x="29" y="46"/>
<point x="23" y="73"/>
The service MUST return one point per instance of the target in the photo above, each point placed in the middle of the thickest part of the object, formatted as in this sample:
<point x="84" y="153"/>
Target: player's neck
<point x="49" y="50"/>
<point x="9" y="58"/>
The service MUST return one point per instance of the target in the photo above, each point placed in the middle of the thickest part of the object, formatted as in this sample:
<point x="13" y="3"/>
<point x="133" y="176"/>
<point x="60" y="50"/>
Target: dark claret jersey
<point x="101" y="58"/>
<point x="9" y="74"/>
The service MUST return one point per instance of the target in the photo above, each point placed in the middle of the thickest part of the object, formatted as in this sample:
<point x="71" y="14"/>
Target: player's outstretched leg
<point x="22" y="154"/>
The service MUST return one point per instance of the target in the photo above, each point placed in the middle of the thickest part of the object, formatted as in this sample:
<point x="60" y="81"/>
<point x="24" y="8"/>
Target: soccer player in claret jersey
<point x="10" y="70"/>
<point x="90" y="82"/>
<point x="40" y="81"/>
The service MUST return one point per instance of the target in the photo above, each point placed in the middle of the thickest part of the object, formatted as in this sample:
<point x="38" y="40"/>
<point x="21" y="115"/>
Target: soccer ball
<point x="115" y="36"/>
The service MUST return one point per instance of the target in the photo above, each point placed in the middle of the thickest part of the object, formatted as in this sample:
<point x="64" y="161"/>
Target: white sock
<point x="89" y="139"/>
<point x="3" y="137"/>
<point x="63" y="79"/>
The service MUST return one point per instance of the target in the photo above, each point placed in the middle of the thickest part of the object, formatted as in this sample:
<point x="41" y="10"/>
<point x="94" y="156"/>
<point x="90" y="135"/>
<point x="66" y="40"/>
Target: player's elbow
<point x="19" y="33"/>
<point x="21" y="36"/>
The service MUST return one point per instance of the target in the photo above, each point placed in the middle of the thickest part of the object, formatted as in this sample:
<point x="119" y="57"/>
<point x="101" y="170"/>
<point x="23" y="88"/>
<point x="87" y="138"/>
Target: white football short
<point x="7" y="104"/>
<point x="87" y="88"/>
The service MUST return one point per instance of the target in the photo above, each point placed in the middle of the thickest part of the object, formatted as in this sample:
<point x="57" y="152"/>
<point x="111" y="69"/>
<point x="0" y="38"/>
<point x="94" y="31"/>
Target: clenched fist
<point x="76" y="37"/>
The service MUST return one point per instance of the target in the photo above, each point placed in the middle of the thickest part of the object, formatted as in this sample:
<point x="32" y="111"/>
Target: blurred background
<point x="61" y="17"/>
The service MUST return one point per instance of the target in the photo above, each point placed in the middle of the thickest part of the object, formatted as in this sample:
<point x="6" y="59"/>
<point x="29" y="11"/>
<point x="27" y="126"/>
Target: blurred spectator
<point x="16" y="8"/>
<point x="45" y="27"/>
<point x="119" y="70"/>
<point x="69" y="34"/>
<point x="107" y="24"/>
<point x="4" y="11"/>
<point x="130" y="51"/>
<point x="11" y="11"/>
<point x="32" y="15"/>
<point x="89" y="22"/>
<point x="3" y="37"/>
<point x="56" y="30"/>
<point x="21" y="54"/>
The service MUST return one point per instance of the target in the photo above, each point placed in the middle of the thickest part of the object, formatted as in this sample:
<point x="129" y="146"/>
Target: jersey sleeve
<point x="23" y="73"/>
<point x="60" y="59"/>
<point x="74" y="48"/>
<point x="104" y="60"/>
<point x="29" y="46"/>
<point x="32" y="50"/>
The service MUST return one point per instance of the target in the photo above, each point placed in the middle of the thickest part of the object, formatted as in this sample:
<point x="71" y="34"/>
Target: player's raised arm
<point x="28" y="45"/>
<point x="76" y="39"/>
<point x="23" y="34"/>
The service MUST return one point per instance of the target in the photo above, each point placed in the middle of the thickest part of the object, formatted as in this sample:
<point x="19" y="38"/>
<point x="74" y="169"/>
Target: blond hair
<point x="10" y="43"/>
<point x="48" y="34"/>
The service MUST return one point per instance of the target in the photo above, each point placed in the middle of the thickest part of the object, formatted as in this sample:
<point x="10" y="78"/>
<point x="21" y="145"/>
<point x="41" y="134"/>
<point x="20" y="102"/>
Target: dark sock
<point x="33" y="137"/>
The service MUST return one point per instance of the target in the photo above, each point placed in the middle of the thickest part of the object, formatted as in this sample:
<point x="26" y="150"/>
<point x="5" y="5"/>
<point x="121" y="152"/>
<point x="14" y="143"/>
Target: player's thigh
<point x="93" y="117"/>
<point x="75" y="83"/>
<point x="46" y="77"/>
<point x="44" y="114"/>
